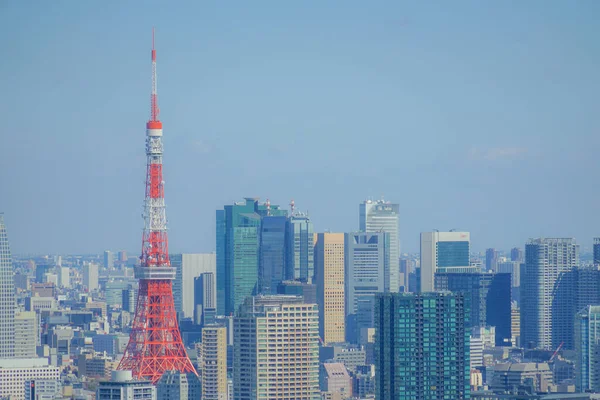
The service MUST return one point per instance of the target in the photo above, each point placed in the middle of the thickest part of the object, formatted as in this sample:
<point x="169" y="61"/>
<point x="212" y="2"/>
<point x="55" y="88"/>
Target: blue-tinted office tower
<point x="490" y="296"/>
<point x="422" y="346"/>
<point x="597" y="250"/>
<point x="272" y="253"/>
<point x="300" y="248"/>
<point x="238" y="243"/>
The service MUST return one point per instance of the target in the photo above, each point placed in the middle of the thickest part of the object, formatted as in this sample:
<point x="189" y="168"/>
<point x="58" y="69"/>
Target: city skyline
<point x="284" y="80"/>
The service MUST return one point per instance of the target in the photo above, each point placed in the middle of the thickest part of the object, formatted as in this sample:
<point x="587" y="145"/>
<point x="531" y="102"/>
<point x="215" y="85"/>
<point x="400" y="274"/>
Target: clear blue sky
<point x="481" y="116"/>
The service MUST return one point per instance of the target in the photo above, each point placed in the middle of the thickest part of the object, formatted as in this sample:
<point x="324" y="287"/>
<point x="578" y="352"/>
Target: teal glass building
<point x="422" y="346"/>
<point x="238" y="242"/>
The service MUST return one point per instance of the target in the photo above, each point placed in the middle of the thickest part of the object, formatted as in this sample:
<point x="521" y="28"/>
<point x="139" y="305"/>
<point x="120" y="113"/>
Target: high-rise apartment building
<point x="276" y="349"/>
<point x="26" y="334"/>
<point x="547" y="298"/>
<point x="300" y="248"/>
<point x="587" y="348"/>
<point x="442" y="250"/>
<point x="367" y="259"/>
<point x="382" y="216"/>
<point x="205" y="297"/>
<point x="7" y="296"/>
<point x="329" y="272"/>
<point x="238" y="244"/>
<point x="188" y="267"/>
<point x="422" y="346"/>
<point x="123" y="387"/>
<point x="272" y="253"/>
<point x="109" y="259"/>
<point x="90" y="276"/>
<point x="490" y="299"/>
<point x="213" y="362"/>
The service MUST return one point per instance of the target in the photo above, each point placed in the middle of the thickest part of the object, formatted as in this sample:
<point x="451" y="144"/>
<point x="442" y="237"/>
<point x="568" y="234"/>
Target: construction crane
<point x="556" y="352"/>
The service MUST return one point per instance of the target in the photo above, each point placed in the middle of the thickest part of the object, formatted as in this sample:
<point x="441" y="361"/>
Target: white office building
<point x="90" y="276"/>
<point x="382" y="216"/>
<point x="447" y="250"/>
<point x="122" y="386"/>
<point x="15" y="373"/>
<point x="188" y="267"/>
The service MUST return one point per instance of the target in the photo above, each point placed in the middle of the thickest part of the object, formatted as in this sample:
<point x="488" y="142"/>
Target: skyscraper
<point x="109" y="260"/>
<point x="7" y="296"/>
<point x="516" y="254"/>
<point x="382" y="216"/>
<point x="213" y="362"/>
<point x="329" y="272"/>
<point x="188" y="267"/>
<point x="64" y="279"/>
<point x="367" y="259"/>
<point x="90" y="276"/>
<point x="587" y="348"/>
<point x="205" y="297"/>
<point x="446" y="250"/>
<point x="422" y="346"/>
<point x="300" y="248"/>
<point x="491" y="260"/>
<point x="547" y="298"/>
<point x="238" y="243"/>
<point x="490" y="299"/>
<point x="276" y="349"/>
<point x="272" y="253"/>
<point x="597" y="250"/>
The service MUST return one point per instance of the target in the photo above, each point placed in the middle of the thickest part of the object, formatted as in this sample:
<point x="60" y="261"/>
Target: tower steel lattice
<point x="155" y="344"/>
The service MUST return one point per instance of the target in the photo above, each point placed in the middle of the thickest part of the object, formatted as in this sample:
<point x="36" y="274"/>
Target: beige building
<point x="276" y="349"/>
<point x="26" y="334"/>
<point x="515" y="324"/>
<point x="329" y="270"/>
<point x="213" y="362"/>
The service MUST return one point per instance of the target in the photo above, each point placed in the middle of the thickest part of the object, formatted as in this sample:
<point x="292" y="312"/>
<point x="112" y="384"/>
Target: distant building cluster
<point x="281" y="311"/>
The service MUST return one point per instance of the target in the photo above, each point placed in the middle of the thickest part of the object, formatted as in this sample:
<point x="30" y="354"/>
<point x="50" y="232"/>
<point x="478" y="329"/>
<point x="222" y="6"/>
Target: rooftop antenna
<point x="292" y="206"/>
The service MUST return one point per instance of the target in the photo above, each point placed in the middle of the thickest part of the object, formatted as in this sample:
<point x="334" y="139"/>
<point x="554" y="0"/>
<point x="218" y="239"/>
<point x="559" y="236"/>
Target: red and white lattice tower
<point x="155" y="344"/>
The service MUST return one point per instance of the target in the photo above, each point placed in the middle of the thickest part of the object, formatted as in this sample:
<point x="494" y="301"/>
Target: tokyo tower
<point x="155" y="344"/>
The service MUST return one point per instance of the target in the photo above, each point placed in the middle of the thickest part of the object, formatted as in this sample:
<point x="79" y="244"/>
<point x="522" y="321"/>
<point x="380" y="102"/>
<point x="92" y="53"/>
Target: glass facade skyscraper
<point x="272" y="253"/>
<point x="490" y="299"/>
<point x="300" y="248"/>
<point x="422" y="346"/>
<point x="382" y="216"/>
<point x="7" y="296"/>
<point x="238" y="243"/>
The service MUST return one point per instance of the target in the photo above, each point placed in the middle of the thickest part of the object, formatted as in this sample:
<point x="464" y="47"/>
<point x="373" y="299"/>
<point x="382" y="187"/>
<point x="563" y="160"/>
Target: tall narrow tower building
<point x="155" y="344"/>
<point x="7" y="297"/>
